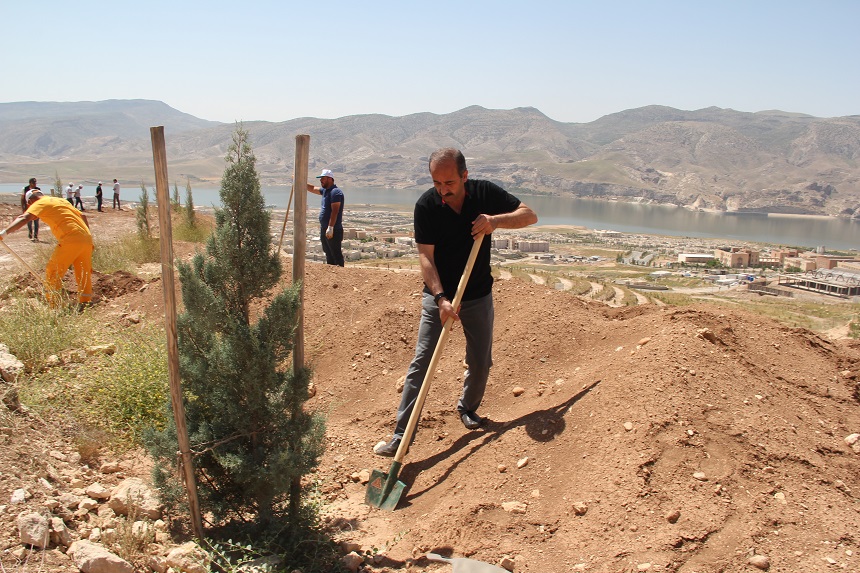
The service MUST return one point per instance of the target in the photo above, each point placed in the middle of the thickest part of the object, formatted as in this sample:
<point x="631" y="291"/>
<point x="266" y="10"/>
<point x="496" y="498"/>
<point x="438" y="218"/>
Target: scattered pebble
<point x="700" y="476"/>
<point x="518" y="391"/>
<point x="523" y="463"/>
<point x="760" y="561"/>
<point x="579" y="508"/>
<point x="514" y="507"/>
<point x="673" y="516"/>
<point x="628" y="426"/>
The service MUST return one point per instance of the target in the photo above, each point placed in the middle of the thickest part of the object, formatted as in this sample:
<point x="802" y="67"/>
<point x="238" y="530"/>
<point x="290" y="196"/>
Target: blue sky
<point x="573" y="60"/>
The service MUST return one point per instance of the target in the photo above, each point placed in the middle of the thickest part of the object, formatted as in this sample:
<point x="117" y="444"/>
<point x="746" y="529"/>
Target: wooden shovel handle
<point x="20" y="260"/>
<point x="437" y="353"/>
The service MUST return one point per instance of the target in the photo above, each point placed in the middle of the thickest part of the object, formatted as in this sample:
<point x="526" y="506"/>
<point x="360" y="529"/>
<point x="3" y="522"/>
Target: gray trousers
<point x="476" y="317"/>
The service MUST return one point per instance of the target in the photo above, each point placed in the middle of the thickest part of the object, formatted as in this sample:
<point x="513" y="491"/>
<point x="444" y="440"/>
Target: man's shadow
<point x="541" y="426"/>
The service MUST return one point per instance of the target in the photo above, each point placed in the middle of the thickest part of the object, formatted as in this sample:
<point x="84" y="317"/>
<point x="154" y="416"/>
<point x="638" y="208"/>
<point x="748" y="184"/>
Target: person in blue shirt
<point x="331" y="217"/>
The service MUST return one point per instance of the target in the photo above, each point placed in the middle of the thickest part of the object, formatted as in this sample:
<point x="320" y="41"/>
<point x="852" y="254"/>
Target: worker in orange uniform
<point x="75" y="248"/>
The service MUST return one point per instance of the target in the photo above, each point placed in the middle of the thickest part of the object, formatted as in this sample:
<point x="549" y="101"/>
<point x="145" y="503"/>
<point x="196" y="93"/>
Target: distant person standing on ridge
<point x="32" y="226"/>
<point x="74" y="248"/>
<point x="99" y="197"/>
<point x="78" y="203"/>
<point x="70" y="194"/>
<point x="116" y="195"/>
<point x="447" y="219"/>
<point x="331" y="217"/>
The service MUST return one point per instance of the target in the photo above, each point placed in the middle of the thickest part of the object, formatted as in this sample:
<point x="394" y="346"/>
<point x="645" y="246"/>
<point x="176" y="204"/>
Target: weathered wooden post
<point x="159" y="159"/>
<point x="300" y="186"/>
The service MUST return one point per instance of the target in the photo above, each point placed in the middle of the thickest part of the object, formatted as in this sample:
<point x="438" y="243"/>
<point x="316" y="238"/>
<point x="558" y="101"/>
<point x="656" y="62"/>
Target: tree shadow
<point x="541" y="426"/>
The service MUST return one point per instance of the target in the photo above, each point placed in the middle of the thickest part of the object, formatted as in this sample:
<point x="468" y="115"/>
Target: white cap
<point x="80" y="186"/>
<point x="325" y="173"/>
<point x="100" y="182"/>
<point x="30" y="194"/>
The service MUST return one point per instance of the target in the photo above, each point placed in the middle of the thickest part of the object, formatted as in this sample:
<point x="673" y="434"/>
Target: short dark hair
<point x="32" y="179"/>
<point x="448" y="154"/>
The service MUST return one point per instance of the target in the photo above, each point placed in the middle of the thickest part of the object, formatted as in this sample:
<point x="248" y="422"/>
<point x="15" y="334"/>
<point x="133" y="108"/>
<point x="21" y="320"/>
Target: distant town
<point x="374" y="235"/>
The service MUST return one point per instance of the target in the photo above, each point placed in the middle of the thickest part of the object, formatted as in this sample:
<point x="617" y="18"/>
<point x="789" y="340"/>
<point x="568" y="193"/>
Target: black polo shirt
<point x="451" y="234"/>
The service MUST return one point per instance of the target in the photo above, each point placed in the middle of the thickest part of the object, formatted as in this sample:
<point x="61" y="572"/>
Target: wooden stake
<point x="286" y="216"/>
<point x="159" y="159"/>
<point x="300" y="183"/>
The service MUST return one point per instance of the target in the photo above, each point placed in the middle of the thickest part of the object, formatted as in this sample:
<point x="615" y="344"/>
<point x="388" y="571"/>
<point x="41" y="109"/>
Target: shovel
<point x="384" y="490"/>
<point x="463" y="565"/>
<point x="20" y="260"/>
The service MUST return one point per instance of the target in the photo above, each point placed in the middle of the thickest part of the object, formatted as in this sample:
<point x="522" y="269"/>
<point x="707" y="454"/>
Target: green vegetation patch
<point x="117" y="395"/>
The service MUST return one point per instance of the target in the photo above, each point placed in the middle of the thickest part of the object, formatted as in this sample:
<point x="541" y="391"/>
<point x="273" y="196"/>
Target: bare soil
<point x="651" y="438"/>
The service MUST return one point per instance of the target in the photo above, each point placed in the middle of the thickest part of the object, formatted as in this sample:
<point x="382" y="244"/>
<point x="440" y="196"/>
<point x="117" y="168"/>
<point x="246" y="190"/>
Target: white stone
<point x="98" y="491"/>
<point x="34" y="529"/>
<point x="60" y="534"/>
<point x="518" y="391"/>
<point x="522" y="463"/>
<point x="700" y="476"/>
<point x="88" y="504"/>
<point x="106" y="349"/>
<point x="10" y="366"/>
<point x="188" y="558"/>
<point x="93" y="558"/>
<point x="514" y="507"/>
<point x="628" y="426"/>
<point x="20" y="495"/>
<point x="760" y="561"/>
<point x="352" y="561"/>
<point x="109" y="468"/>
<point x="133" y="495"/>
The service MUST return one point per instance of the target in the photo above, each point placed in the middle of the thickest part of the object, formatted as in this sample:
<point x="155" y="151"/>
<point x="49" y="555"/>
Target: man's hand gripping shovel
<point x="384" y="490"/>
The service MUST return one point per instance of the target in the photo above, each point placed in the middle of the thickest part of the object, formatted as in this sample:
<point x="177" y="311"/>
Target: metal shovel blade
<point x="384" y="489"/>
<point x="463" y="565"/>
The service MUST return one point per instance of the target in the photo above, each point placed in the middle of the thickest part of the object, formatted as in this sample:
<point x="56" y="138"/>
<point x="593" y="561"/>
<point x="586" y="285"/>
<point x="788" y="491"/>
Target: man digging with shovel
<point x="448" y="219"/>
<point x="75" y="247"/>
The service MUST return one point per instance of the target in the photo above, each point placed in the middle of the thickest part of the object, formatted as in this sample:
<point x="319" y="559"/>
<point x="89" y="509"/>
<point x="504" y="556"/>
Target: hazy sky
<point x="573" y="60"/>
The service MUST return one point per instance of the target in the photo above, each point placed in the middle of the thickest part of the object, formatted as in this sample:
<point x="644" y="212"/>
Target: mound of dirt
<point x="114" y="285"/>
<point x="652" y="439"/>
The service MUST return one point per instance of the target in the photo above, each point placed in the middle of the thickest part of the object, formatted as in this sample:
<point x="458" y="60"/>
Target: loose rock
<point x="514" y="507"/>
<point x="93" y="558"/>
<point x="760" y="561"/>
<point x="34" y="529"/>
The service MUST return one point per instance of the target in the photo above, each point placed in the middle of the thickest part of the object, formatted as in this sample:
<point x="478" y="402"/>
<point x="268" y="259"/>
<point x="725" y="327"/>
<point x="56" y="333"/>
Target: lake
<point x="832" y="233"/>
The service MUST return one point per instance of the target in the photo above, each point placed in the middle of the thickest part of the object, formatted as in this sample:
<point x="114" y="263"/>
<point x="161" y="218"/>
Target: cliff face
<point x="712" y="158"/>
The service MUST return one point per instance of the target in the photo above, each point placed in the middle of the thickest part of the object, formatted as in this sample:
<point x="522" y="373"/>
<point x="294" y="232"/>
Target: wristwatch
<point x="438" y="297"/>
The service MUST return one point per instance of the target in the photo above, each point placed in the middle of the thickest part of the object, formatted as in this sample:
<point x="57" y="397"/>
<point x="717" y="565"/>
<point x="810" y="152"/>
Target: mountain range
<point x="712" y="158"/>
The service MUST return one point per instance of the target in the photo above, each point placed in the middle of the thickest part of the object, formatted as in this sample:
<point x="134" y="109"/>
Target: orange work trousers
<point x="70" y="254"/>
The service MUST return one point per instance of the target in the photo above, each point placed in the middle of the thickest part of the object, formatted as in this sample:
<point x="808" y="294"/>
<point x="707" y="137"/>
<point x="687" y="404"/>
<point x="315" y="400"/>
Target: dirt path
<point x="537" y="279"/>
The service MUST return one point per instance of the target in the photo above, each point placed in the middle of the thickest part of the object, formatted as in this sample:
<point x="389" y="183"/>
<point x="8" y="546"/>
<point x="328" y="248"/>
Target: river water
<point x="810" y="232"/>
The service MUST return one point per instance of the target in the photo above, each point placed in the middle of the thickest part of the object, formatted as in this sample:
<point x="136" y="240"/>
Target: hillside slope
<point x="645" y="439"/>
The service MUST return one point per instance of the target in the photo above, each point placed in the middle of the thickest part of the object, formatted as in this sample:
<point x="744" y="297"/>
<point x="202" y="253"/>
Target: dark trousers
<point x="79" y="203"/>
<point x="331" y="247"/>
<point x="99" y="202"/>
<point x="33" y="229"/>
<point x="476" y="318"/>
<point x="116" y="201"/>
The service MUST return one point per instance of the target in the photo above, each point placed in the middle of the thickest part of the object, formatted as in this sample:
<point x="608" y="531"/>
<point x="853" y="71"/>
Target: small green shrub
<point x="33" y="330"/>
<point x="126" y="254"/>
